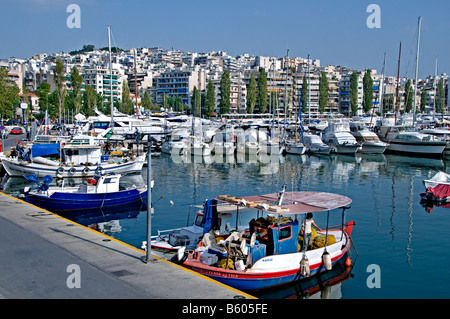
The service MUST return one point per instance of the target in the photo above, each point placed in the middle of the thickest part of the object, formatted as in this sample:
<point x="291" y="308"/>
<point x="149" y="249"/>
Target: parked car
<point x="16" y="130"/>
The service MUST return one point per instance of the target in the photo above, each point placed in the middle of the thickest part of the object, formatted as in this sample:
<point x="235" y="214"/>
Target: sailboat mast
<point x="135" y="84"/>
<point x="110" y="78"/>
<point x="309" y="94"/>
<point x="417" y="69"/>
<point x="397" y="101"/>
<point x="435" y="91"/>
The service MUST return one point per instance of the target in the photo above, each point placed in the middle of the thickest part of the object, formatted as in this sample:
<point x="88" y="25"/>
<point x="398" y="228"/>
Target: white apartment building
<point x="99" y="78"/>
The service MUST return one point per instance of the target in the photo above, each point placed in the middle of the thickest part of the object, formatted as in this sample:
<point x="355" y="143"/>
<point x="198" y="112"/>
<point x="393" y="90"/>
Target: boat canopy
<point x="292" y="202"/>
<point x="44" y="149"/>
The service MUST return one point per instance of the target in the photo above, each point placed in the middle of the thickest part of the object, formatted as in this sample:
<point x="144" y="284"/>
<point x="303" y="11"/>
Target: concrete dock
<point x="44" y="256"/>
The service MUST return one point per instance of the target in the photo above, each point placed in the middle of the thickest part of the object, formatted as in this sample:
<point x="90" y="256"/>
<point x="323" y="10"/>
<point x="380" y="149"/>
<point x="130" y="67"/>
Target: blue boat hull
<point x="60" y="202"/>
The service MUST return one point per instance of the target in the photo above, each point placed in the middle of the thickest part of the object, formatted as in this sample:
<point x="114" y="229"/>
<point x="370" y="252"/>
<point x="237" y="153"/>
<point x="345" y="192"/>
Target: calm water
<point x="393" y="230"/>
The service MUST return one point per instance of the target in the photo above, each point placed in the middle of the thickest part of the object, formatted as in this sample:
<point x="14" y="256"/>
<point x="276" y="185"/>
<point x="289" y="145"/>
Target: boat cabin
<point x="101" y="184"/>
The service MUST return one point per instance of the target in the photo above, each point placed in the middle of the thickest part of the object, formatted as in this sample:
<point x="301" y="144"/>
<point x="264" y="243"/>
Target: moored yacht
<point x="337" y="136"/>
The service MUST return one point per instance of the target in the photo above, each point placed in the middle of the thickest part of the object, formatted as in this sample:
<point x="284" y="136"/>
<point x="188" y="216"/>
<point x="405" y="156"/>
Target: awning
<point x="293" y="202"/>
<point x="44" y="149"/>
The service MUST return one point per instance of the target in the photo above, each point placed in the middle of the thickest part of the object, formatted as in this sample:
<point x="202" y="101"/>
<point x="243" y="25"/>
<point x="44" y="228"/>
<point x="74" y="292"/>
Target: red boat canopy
<point x="441" y="190"/>
<point x="292" y="203"/>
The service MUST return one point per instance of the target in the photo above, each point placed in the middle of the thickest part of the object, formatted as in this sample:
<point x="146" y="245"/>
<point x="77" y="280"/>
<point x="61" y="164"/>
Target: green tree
<point x="225" y="91"/>
<point x="440" y="94"/>
<point x="90" y="100"/>
<point x="423" y="100"/>
<point x="146" y="101"/>
<point x="262" y="90"/>
<point x="409" y="96"/>
<point x="196" y="102"/>
<point x="251" y="94"/>
<point x="60" y="79"/>
<point x="323" y="92"/>
<point x="77" y="80"/>
<point x="210" y="98"/>
<point x="9" y="94"/>
<point x="304" y="99"/>
<point x="354" y="93"/>
<point x="127" y="104"/>
<point x="367" y="91"/>
<point x="42" y="92"/>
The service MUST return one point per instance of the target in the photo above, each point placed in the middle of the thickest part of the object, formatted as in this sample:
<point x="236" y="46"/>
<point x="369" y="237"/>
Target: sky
<point x="335" y="32"/>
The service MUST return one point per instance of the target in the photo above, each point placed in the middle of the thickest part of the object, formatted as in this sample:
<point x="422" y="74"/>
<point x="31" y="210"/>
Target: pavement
<point x="45" y="256"/>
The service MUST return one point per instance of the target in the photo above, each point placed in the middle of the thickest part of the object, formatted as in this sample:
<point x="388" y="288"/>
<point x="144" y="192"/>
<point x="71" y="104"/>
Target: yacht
<point x="337" y="136"/>
<point x="370" y="142"/>
<point x="315" y="145"/>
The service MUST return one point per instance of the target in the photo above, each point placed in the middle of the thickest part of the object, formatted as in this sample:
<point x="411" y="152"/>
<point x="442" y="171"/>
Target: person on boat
<point x="306" y="228"/>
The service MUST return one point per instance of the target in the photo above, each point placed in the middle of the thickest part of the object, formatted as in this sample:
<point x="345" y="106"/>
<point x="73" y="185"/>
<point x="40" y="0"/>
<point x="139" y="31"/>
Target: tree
<point x="354" y="93"/>
<point x="423" y="100"/>
<point x="127" y="104"/>
<point x="42" y="92"/>
<point x="60" y="78"/>
<point x="409" y="96"/>
<point x="9" y="93"/>
<point x="90" y="100"/>
<point x="196" y="102"/>
<point x="210" y="99"/>
<point x="440" y="96"/>
<point x="304" y="99"/>
<point x="77" y="80"/>
<point x="225" y="84"/>
<point x="367" y="91"/>
<point x="251" y="94"/>
<point x="323" y="92"/>
<point x="262" y="90"/>
<point x="146" y="101"/>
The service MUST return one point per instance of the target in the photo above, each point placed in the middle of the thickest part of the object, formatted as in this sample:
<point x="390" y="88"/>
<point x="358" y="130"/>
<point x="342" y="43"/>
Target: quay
<point x="41" y="254"/>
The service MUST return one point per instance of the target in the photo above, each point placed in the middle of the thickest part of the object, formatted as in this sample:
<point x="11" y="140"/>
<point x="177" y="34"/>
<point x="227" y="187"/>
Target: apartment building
<point x="179" y="82"/>
<point x="100" y="79"/>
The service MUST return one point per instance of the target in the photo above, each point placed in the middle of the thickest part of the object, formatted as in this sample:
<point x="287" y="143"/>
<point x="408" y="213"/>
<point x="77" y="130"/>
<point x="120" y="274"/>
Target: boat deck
<point x="41" y="255"/>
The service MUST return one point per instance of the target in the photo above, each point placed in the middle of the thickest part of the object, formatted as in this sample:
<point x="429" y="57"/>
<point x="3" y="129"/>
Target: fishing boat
<point x="100" y="192"/>
<point x="74" y="159"/>
<point x="270" y="253"/>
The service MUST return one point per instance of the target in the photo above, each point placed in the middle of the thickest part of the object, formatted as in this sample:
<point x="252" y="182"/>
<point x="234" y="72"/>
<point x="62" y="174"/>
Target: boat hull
<point x="252" y="279"/>
<point x="60" y="202"/>
<point x="16" y="168"/>
<point x="345" y="149"/>
<point x="373" y="148"/>
<point x="430" y="149"/>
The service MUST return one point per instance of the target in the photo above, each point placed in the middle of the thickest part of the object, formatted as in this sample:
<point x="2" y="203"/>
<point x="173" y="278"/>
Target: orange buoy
<point x="348" y="262"/>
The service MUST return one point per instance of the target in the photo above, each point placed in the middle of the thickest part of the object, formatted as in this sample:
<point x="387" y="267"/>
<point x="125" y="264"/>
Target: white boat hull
<point x="419" y="149"/>
<point x="373" y="147"/>
<point x="295" y="148"/>
<point x="19" y="168"/>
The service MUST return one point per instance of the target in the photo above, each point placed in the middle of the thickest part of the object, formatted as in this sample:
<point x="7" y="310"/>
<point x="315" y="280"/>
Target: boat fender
<point x="60" y="170"/>
<point x="72" y="170"/>
<point x="86" y="170"/>
<point x="326" y="259"/>
<point x="304" y="266"/>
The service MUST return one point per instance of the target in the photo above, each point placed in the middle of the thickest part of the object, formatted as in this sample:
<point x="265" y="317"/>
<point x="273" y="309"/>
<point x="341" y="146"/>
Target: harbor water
<point x="401" y="246"/>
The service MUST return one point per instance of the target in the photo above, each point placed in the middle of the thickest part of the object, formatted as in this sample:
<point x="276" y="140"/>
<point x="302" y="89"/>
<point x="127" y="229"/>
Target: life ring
<point x="86" y="170"/>
<point x="60" y="170"/>
<point x="72" y="170"/>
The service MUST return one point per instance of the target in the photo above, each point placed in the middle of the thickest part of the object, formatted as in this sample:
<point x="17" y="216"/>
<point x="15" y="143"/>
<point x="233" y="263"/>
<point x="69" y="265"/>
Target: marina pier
<point x="41" y="255"/>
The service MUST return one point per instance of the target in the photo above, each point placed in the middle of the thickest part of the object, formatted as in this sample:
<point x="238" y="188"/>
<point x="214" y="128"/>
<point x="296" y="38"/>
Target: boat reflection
<point x="326" y="285"/>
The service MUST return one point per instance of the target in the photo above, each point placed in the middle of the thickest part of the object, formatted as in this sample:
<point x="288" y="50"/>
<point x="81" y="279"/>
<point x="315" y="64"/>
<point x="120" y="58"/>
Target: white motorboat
<point x="443" y="134"/>
<point x="315" y="145"/>
<point x="337" y="136"/>
<point x="439" y="178"/>
<point x="370" y="142"/>
<point x="223" y="144"/>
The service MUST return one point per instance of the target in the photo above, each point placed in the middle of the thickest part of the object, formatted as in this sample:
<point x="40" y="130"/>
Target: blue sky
<point x="333" y="31"/>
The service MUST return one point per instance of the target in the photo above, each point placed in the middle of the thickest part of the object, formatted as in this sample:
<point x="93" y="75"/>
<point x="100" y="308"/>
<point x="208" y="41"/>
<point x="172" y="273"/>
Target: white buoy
<point x="181" y="253"/>
<point x="304" y="266"/>
<point x="326" y="259"/>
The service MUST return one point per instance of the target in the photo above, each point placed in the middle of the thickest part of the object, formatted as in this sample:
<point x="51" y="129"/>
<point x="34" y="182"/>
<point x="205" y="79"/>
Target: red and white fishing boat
<point x="268" y="254"/>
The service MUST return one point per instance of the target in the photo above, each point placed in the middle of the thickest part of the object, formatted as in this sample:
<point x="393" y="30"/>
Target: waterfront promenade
<point x="44" y="256"/>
